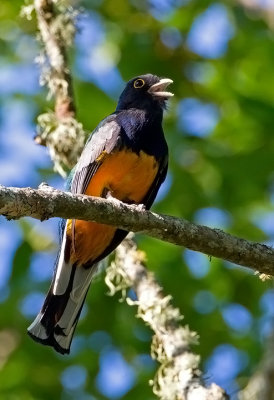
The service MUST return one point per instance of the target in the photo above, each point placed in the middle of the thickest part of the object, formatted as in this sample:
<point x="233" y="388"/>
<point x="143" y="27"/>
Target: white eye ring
<point x="139" y="83"/>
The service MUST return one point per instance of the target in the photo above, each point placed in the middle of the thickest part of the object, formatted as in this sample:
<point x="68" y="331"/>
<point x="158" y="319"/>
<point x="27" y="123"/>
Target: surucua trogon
<point x="126" y="157"/>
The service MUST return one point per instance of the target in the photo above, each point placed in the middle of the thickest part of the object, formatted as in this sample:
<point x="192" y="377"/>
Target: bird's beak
<point x="159" y="89"/>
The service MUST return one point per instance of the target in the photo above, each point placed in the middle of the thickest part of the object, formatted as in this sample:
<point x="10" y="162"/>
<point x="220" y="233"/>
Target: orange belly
<point x="128" y="176"/>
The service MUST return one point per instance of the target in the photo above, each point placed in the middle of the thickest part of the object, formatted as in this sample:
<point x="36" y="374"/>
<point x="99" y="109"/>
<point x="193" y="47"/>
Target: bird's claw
<point x="141" y="207"/>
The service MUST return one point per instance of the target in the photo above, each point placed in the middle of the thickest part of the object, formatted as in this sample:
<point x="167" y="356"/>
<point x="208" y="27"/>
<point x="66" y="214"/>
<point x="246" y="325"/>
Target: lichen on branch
<point x="47" y="202"/>
<point x="59" y="131"/>
<point x="178" y="377"/>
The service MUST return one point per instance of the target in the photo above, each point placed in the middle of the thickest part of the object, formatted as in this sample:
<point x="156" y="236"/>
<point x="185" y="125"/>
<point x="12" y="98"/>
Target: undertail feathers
<point x="57" y="320"/>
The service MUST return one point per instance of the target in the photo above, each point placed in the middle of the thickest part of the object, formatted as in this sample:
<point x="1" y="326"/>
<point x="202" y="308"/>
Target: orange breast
<point x="128" y="176"/>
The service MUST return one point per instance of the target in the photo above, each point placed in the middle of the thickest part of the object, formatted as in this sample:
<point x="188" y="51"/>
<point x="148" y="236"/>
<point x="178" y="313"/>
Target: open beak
<point x="159" y="89"/>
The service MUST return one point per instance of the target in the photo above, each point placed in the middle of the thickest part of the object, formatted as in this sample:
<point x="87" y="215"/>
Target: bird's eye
<point x="139" y="83"/>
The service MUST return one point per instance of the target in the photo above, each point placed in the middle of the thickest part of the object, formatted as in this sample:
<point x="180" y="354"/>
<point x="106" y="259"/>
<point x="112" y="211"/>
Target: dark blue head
<point x="145" y="92"/>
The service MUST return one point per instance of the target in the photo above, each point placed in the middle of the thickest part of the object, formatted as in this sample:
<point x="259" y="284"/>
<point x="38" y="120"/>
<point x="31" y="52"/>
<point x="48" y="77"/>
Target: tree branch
<point x="47" y="202"/>
<point x="178" y="376"/>
<point x="59" y="79"/>
<point x="59" y="131"/>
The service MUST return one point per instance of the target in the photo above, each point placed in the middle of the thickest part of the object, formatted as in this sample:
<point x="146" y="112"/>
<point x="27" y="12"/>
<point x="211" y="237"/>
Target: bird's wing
<point x="159" y="179"/>
<point x="57" y="320"/>
<point x="104" y="139"/>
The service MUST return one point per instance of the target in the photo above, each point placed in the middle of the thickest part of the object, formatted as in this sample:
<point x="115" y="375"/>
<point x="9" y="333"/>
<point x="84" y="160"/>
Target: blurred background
<point x="219" y="127"/>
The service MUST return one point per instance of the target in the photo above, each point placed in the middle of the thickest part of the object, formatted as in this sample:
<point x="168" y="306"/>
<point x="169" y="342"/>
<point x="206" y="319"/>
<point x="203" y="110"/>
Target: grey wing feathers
<point x="105" y="138"/>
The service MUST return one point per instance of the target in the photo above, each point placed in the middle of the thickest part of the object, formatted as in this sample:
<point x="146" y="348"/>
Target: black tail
<point x="55" y="324"/>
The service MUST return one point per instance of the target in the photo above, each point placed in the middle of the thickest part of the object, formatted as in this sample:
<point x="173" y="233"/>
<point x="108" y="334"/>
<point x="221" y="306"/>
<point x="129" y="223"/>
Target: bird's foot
<point x="141" y="207"/>
<point x="107" y="195"/>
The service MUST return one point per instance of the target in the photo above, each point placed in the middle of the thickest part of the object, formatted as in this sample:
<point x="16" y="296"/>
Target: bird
<point x="125" y="158"/>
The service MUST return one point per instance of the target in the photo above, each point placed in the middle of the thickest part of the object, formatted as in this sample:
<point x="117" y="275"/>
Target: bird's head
<point x="145" y="92"/>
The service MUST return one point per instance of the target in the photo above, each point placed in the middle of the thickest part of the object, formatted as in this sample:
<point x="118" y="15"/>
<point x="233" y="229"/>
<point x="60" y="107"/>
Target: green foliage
<point x="231" y="169"/>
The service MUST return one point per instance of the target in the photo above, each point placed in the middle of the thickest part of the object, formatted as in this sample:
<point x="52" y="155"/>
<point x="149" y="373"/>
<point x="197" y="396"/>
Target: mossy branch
<point x="59" y="131"/>
<point x="47" y="202"/>
<point x="178" y="376"/>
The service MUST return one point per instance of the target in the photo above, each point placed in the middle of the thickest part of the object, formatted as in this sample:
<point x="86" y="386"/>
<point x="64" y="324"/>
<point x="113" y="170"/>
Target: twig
<point x="47" y="202"/>
<point x="178" y="377"/>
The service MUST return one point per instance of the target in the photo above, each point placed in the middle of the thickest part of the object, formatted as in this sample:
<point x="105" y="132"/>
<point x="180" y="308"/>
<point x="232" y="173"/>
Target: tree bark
<point x="47" y="202"/>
